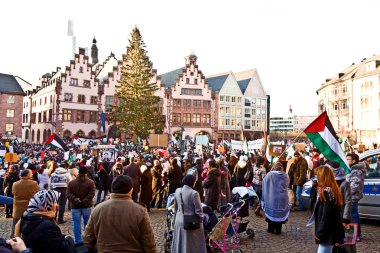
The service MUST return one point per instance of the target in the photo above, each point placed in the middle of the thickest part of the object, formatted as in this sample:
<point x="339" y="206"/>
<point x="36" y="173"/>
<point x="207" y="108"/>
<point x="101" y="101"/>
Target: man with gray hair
<point x="22" y="190"/>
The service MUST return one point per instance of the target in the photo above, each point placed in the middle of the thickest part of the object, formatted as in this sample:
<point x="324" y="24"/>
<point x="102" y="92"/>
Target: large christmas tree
<point x="136" y="111"/>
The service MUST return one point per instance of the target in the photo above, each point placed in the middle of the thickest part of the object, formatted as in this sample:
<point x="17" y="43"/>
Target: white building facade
<point x="351" y="100"/>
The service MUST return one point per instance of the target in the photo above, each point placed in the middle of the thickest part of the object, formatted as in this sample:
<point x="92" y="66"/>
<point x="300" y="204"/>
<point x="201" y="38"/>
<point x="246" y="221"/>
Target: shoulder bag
<point x="190" y="222"/>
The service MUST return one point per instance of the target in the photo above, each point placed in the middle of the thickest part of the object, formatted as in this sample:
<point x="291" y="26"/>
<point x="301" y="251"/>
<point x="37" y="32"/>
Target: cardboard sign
<point x="158" y="140"/>
<point x="276" y="150"/>
<point x="11" y="158"/>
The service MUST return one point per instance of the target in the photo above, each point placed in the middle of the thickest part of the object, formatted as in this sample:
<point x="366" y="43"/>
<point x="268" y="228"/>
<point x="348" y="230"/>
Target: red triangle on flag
<point x="318" y="125"/>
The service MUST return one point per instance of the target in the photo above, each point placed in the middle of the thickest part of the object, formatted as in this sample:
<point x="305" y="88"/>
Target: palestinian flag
<point x="323" y="136"/>
<point x="55" y="141"/>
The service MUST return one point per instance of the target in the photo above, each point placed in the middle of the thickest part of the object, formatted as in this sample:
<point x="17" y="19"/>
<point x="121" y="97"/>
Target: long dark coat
<point x="239" y="174"/>
<point x="146" y="187"/>
<point x="175" y="177"/>
<point x="328" y="221"/>
<point x="9" y="179"/>
<point x="212" y="186"/>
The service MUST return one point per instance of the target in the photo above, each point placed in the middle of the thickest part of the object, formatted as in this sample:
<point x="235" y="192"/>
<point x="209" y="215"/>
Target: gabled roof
<point x="169" y="78"/>
<point x="9" y="85"/>
<point x="216" y="82"/>
<point x="108" y="66"/>
<point x="243" y="84"/>
<point x="26" y="86"/>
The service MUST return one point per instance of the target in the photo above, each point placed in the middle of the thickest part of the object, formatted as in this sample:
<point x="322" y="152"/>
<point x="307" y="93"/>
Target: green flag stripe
<point x="326" y="150"/>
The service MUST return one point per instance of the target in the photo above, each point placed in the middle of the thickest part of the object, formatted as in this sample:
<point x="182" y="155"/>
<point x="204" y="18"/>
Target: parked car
<point x="369" y="205"/>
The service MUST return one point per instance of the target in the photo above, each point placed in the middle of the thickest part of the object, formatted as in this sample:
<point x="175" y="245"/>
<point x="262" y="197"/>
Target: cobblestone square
<point x="296" y="237"/>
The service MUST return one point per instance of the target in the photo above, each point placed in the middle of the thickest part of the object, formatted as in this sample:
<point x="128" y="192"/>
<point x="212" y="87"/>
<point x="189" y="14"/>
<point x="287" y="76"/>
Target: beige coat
<point x="120" y="225"/>
<point x="23" y="190"/>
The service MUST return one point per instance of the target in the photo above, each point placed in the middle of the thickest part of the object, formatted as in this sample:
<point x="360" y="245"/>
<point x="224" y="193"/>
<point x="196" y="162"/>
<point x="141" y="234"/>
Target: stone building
<point x="11" y="105"/>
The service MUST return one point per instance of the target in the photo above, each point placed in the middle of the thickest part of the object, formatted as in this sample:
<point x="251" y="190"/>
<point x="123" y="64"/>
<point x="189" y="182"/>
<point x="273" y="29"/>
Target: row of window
<point x="195" y="81"/>
<point x="74" y="82"/>
<point x="43" y="101"/>
<point x="228" y="136"/>
<point x="230" y="99"/>
<point x="191" y="118"/>
<point x="80" y="116"/>
<point x="68" y="97"/>
<point x="247" y="123"/>
<point x="196" y="92"/>
<point x="188" y="103"/>
<point x="40" y="117"/>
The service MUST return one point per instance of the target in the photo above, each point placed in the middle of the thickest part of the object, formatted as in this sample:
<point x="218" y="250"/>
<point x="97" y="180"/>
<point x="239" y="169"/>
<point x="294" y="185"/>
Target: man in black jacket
<point x="80" y="193"/>
<point x="133" y="170"/>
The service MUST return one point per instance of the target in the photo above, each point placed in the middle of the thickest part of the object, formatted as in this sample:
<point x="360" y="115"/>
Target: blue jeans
<point x="100" y="195"/>
<point x="77" y="214"/>
<point x="298" y="193"/>
<point x="355" y="217"/>
<point x="325" y="248"/>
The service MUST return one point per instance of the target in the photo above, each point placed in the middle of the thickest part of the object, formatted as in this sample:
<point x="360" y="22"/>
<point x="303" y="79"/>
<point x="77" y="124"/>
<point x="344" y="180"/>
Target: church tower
<point x="94" y="52"/>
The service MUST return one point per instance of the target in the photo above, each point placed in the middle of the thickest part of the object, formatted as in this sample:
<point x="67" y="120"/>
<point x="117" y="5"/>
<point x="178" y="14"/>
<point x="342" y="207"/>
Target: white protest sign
<point x="256" y="144"/>
<point x="236" y="145"/>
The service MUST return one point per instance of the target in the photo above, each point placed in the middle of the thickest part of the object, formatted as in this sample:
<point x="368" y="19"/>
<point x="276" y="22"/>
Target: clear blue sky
<point x="295" y="45"/>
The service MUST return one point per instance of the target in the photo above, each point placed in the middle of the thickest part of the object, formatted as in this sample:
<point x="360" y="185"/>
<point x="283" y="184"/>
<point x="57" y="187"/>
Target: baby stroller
<point x="220" y="237"/>
<point x="169" y="222"/>
<point x="241" y="197"/>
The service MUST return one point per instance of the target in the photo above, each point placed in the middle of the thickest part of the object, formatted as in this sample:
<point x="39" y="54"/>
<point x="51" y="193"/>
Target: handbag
<point x="190" y="222"/>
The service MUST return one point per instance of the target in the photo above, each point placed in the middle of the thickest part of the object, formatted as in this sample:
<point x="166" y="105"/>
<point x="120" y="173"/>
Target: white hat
<point x="242" y="161"/>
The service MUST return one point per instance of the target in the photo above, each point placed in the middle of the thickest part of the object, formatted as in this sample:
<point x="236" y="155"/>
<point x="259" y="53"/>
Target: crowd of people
<point x="42" y="189"/>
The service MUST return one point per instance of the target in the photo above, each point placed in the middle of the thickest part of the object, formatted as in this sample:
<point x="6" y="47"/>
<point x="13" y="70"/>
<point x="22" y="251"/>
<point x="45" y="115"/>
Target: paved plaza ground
<point x="296" y="237"/>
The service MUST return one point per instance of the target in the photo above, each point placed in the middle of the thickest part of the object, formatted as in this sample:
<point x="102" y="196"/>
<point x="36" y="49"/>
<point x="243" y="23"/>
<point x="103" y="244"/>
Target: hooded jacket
<point x="42" y="235"/>
<point x="59" y="179"/>
<point x="345" y="189"/>
<point x="356" y="180"/>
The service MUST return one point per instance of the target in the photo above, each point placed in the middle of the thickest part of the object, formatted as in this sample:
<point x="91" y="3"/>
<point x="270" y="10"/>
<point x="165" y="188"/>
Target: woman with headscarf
<point x="38" y="227"/>
<point x="187" y="202"/>
<point x="240" y="170"/>
<point x="274" y="199"/>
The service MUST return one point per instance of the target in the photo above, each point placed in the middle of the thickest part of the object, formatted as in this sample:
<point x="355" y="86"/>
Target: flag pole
<point x="293" y="141"/>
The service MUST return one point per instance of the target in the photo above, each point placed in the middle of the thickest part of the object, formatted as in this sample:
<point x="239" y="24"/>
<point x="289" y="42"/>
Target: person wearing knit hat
<point x="131" y="218"/>
<point x="39" y="230"/>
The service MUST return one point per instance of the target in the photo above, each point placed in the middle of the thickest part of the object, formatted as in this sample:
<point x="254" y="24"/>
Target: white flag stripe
<point x="334" y="144"/>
